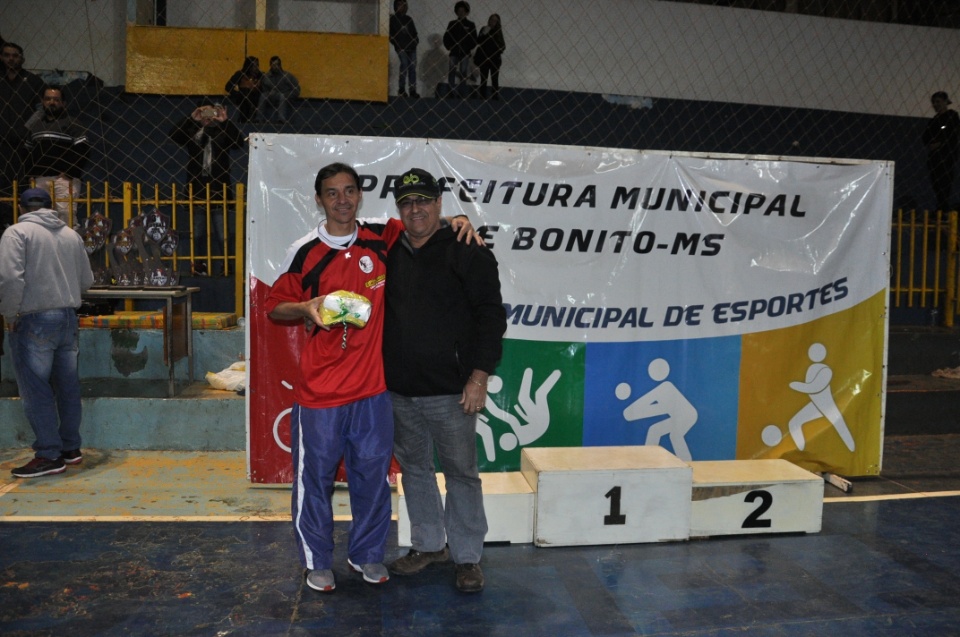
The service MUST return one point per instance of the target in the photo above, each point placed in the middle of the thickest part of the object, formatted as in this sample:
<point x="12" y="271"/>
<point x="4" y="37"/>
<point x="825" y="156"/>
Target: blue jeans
<point x="420" y="425"/>
<point x="45" y="349"/>
<point x="459" y="69"/>
<point x="408" y="70"/>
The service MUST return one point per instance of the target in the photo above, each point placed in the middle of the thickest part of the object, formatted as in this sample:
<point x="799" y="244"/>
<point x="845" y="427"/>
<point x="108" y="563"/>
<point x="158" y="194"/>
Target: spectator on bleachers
<point x="19" y="96"/>
<point x="940" y="138"/>
<point x="404" y="38"/>
<point x="460" y="39"/>
<point x="209" y="137"/>
<point x="57" y="149"/>
<point x="490" y="48"/>
<point x="243" y="88"/>
<point x="277" y="88"/>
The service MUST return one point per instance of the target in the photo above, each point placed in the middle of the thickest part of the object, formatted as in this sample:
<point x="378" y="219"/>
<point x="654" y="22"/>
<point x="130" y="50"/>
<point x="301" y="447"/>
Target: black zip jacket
<point x="444" y="315"/>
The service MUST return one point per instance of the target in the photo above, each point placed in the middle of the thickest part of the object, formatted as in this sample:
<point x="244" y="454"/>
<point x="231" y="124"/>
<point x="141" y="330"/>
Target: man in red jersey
<point x="341" y="406"/>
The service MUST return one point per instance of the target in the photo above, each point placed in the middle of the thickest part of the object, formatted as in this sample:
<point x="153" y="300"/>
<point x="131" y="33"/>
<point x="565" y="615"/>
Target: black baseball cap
<point x="417" y="181"/>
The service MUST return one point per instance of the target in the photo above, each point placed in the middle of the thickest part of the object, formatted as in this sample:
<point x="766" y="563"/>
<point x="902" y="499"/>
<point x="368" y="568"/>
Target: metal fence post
<point x="950" y="300"/>
<point x="239" y="270"/>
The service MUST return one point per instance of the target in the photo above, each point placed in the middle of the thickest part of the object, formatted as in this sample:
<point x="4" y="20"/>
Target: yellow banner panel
<point x="340" y="66"/>
<point x="175" y="61"/>
<point x="820" y="406"/>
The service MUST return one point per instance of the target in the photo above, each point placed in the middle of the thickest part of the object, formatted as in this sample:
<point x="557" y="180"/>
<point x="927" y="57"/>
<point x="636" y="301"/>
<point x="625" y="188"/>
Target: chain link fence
<point x="795" y="78"/>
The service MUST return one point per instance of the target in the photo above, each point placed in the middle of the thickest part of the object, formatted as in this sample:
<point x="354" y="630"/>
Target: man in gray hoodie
<point x="44" y="270"/>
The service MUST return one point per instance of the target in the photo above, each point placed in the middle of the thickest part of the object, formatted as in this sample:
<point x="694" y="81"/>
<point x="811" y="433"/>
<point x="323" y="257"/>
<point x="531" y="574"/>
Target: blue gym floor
<point x="887" y="562"/>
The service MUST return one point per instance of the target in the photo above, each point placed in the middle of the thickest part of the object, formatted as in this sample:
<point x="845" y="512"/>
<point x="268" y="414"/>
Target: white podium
<point x="741" y="497"/>
<point x="608" y="495"/>
<point x="567" y="496"/>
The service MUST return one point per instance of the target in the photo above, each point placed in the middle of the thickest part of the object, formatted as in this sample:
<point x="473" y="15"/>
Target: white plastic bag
<point x="233" y="378"/>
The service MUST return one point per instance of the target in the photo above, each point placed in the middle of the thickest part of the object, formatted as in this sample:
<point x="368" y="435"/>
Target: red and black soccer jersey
<point x="331" y="375"/>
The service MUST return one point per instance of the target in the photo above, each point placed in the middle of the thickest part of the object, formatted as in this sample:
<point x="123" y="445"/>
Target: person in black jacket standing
<point x="450" y="291"/>
<point x="490" y="48"/>
<point x="209" y="137"/>
<point x="404" y="38"/>
<point x="940" y="138"/>
<point x="460" y="39"/>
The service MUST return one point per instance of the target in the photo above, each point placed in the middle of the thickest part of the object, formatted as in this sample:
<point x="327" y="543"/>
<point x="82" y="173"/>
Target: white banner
<point x="629" y="247"/>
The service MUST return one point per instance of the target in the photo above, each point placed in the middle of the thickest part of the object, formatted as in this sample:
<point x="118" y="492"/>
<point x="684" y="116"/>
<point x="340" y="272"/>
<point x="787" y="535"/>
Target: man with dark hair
<point x="277" y="88"/>
<point x="341" y="407"/>
<point x="44" y="270"/>
<point x="19" y="96"/>
<point x="460" y="39"/>
<point x="57" y="150"/>
<point x="438" y="384"/>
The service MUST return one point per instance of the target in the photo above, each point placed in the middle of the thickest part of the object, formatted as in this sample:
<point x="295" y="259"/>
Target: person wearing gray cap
<point x="44" y="270"/>
<point x="450" y="291"/>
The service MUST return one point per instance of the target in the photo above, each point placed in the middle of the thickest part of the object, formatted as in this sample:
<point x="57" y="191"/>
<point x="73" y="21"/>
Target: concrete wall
<point x="138" y="354"/>
<point x="138" y="415"/>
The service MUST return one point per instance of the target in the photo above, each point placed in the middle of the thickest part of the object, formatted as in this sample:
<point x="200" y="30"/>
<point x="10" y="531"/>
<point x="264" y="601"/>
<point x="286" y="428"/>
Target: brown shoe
<point x="415" y="561"/>
<point x="469" y="578"/>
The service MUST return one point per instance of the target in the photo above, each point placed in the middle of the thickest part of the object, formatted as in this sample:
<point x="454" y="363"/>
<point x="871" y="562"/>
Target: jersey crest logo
<point x="366" y="264"/>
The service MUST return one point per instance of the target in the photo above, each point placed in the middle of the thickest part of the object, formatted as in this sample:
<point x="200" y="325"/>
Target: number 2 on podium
<point x="754" y="521"/>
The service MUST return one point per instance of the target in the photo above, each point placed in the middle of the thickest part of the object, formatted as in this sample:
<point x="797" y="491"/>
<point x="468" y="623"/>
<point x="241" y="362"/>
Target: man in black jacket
<point x="442" y="338"/>
<point x="941" y="139"/>
<point x="460" y="39"/>
<point x="209" y="137"/>
<point x="404" y="38"/>
<point x="19" y="96"/>
<point x="57" y="148"/>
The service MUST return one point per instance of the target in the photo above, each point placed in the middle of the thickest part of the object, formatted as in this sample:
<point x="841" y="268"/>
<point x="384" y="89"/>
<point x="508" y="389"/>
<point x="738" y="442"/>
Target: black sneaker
<point x="72" y="457"/>
<point x="39" y="467"/>
<point x="415" y="561"/>
<point x="469" y="578"/>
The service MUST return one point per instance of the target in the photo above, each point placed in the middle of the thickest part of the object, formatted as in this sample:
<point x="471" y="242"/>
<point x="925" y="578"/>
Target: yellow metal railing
<point x="924" y="244"/>
<point x="135" y="199"/>
<point x="924" y="262"/>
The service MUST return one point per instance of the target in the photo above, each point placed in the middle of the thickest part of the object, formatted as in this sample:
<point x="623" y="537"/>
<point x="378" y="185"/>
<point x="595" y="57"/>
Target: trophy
<point x="156" y="240"/>
<point x="95" y="231"/>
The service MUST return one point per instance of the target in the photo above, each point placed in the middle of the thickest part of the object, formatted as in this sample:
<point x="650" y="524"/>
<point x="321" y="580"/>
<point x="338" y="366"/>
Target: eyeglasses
<point x="408" y="204"/>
